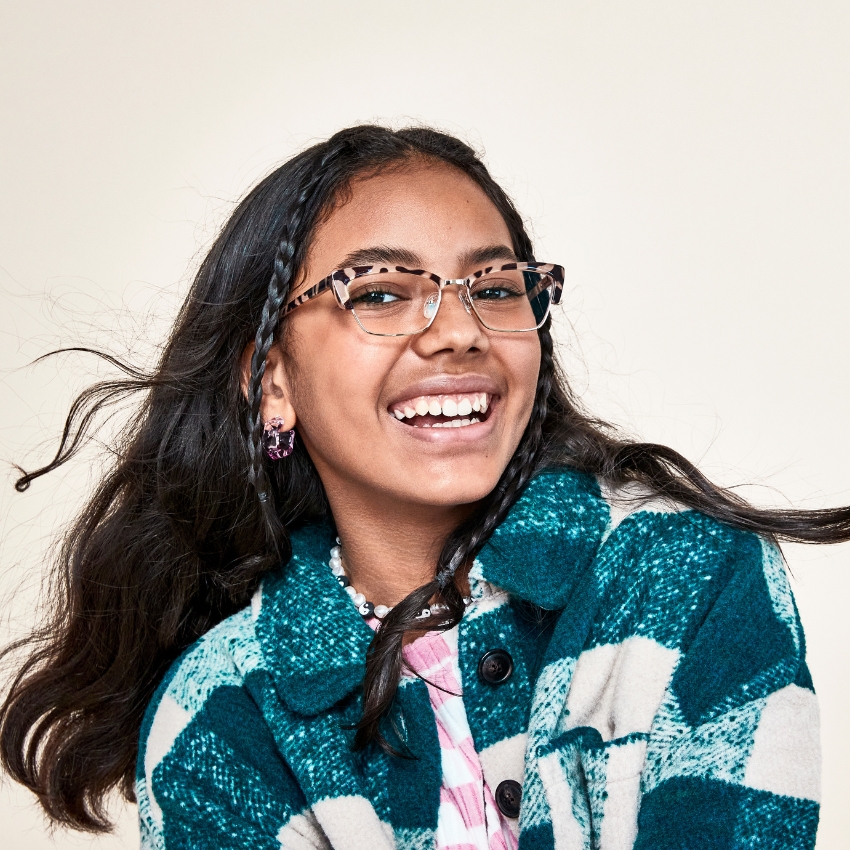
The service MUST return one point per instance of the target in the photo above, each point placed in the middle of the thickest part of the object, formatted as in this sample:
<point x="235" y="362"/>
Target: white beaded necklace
<point x="365" y="608"/>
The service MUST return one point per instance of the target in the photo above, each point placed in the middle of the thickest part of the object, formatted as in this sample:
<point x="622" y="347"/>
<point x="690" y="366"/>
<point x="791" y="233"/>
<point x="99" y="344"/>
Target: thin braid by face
<point x="288" y="257"/>
<point x="279" y="287"/>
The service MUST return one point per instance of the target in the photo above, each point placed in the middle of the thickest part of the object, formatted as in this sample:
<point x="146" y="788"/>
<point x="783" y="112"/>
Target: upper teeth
<point x="442" y="405"/>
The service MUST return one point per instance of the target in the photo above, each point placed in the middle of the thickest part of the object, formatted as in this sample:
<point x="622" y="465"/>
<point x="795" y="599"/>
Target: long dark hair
<point x="191" y="515"/>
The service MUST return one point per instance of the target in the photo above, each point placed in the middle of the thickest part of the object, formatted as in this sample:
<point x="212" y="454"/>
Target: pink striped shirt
<point x="468" y="817"/>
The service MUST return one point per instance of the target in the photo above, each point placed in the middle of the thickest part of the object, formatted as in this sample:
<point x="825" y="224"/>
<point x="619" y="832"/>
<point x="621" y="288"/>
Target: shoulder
<point x="223" y="657"/>
<point x="662" y="555"/>
<point x="659" y="543"/>
<point x="623" y="562"/>
<point x="188" y="726"/>
<point x="570" y="533"/>
<point x="716" y="599"/>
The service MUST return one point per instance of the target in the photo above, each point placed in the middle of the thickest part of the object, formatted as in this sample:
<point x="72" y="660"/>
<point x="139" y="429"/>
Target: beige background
<point x="687" y="162"/>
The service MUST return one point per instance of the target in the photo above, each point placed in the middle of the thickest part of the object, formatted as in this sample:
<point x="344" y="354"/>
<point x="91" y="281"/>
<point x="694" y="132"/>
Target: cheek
<point x="522" y="359"/>
<point x="336" y="380"/>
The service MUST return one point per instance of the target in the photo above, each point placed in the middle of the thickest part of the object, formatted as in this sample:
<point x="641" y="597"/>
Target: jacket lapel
<point x="313" y="640"/>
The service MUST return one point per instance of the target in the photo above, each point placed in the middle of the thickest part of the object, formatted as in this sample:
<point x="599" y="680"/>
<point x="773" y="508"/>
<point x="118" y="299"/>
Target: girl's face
<point x="347" y="388"/>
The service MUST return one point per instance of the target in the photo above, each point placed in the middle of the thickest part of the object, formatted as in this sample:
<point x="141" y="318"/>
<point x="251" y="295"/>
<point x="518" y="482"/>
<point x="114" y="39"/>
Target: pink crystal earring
<point x="277" y="442"/>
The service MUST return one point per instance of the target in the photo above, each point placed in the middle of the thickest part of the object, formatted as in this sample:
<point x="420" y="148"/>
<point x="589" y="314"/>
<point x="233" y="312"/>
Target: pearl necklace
<point x="365" y="608"/>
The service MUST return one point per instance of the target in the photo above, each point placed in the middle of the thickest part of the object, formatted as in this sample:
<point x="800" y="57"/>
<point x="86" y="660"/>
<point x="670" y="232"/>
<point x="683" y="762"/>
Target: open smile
<point x="450" y="410"/>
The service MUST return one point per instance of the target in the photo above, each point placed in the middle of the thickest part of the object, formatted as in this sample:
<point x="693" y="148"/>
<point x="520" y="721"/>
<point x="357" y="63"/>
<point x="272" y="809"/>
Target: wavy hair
<point x="190" y="516"/>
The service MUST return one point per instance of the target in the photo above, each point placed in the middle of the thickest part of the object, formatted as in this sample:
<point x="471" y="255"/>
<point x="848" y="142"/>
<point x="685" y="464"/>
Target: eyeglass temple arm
<point x="312" y="292"/>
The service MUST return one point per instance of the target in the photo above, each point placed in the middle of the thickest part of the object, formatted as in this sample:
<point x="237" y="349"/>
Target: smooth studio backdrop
<point x="686" y="162"/>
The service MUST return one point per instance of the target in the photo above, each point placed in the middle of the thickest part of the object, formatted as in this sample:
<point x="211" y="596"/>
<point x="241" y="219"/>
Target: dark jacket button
<point x="508" y="795"/>
<point x="495" y="667"/>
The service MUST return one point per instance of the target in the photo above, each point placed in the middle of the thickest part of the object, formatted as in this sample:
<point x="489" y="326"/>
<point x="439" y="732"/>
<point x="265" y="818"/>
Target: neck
<point x="388" y="549"/>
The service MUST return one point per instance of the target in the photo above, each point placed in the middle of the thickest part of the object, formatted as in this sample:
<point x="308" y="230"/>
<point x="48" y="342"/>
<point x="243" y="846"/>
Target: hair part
<point x="190" y="517"/>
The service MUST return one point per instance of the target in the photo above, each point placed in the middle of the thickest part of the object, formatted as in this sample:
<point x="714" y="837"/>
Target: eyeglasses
<point x="395" y="301"/>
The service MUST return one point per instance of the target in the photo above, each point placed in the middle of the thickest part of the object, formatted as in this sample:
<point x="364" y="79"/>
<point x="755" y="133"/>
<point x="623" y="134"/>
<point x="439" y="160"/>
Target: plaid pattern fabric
<point x="468" y="818"/>
<point x="659" y="700"/>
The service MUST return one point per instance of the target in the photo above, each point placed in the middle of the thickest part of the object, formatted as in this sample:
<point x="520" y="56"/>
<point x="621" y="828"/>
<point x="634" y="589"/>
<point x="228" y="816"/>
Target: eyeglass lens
<point x="392" y="303"/>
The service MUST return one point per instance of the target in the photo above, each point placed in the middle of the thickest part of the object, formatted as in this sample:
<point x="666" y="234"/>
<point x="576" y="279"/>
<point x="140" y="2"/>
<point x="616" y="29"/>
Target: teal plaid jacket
<point x="659" y="696"/>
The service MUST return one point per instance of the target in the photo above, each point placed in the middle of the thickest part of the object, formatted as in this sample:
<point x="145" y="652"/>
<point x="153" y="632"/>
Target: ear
<point x="275" y="401"/>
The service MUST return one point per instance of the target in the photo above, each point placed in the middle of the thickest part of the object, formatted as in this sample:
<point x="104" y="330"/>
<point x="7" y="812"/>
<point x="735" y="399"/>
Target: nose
<point x="453" y="328"/>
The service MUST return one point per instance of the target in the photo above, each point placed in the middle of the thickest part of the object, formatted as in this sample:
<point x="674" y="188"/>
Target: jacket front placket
<point x="543" y="555"/>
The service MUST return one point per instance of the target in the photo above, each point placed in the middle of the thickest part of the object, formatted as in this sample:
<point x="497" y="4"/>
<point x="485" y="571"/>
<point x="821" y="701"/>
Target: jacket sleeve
<point x="209" y="774"/>
<point x="733" y="754"/>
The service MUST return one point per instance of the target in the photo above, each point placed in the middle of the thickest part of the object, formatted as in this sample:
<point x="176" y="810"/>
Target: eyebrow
<point x="381" y="255"/>
<point x="393" y="256"/>
<point x="482" y="256"/>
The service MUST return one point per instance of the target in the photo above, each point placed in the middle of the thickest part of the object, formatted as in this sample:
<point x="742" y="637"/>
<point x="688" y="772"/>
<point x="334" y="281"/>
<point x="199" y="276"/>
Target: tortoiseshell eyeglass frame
<point x="340" y="280"/>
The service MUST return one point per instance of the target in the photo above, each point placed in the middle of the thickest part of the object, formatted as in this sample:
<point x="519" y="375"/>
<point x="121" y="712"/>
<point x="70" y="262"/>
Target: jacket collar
<point x="548" y="539"/>
<point x="313" y="640"/>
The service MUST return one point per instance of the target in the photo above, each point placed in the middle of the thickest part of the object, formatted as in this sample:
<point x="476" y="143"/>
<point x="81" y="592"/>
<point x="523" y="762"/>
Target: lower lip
<point x="462" y="434"/>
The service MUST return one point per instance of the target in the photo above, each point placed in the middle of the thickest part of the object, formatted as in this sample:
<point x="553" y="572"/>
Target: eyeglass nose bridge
<point x="432" y="303"/>
<point x="463" y="291"/>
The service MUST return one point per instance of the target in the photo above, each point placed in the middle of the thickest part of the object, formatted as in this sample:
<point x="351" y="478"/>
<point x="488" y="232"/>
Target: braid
<point x="288" y="257"/>
<point x="384" y="660"/>
<point x="472" y="535"/>
<point x="279" y="287"/>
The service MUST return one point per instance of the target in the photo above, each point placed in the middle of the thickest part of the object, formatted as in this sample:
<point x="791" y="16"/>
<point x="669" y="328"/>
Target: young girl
<point x="364" y="574"/>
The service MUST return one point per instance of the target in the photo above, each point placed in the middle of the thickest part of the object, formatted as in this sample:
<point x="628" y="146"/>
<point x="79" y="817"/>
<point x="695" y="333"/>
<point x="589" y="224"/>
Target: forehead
<point x="431" y="210"/>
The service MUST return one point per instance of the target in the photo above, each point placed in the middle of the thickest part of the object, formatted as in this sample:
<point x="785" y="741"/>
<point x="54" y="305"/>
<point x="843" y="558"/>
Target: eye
<point x="496" y="290"/>
<point x="492" y="293"/>
<point x="375" y="297"/>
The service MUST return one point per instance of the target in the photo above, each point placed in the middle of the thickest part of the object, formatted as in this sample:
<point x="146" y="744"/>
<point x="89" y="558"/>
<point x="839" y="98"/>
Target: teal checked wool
<point x="659" y="696"/>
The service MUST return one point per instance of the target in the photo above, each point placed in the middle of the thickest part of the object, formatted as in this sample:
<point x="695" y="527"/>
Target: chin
<point x="461" y="489"/>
